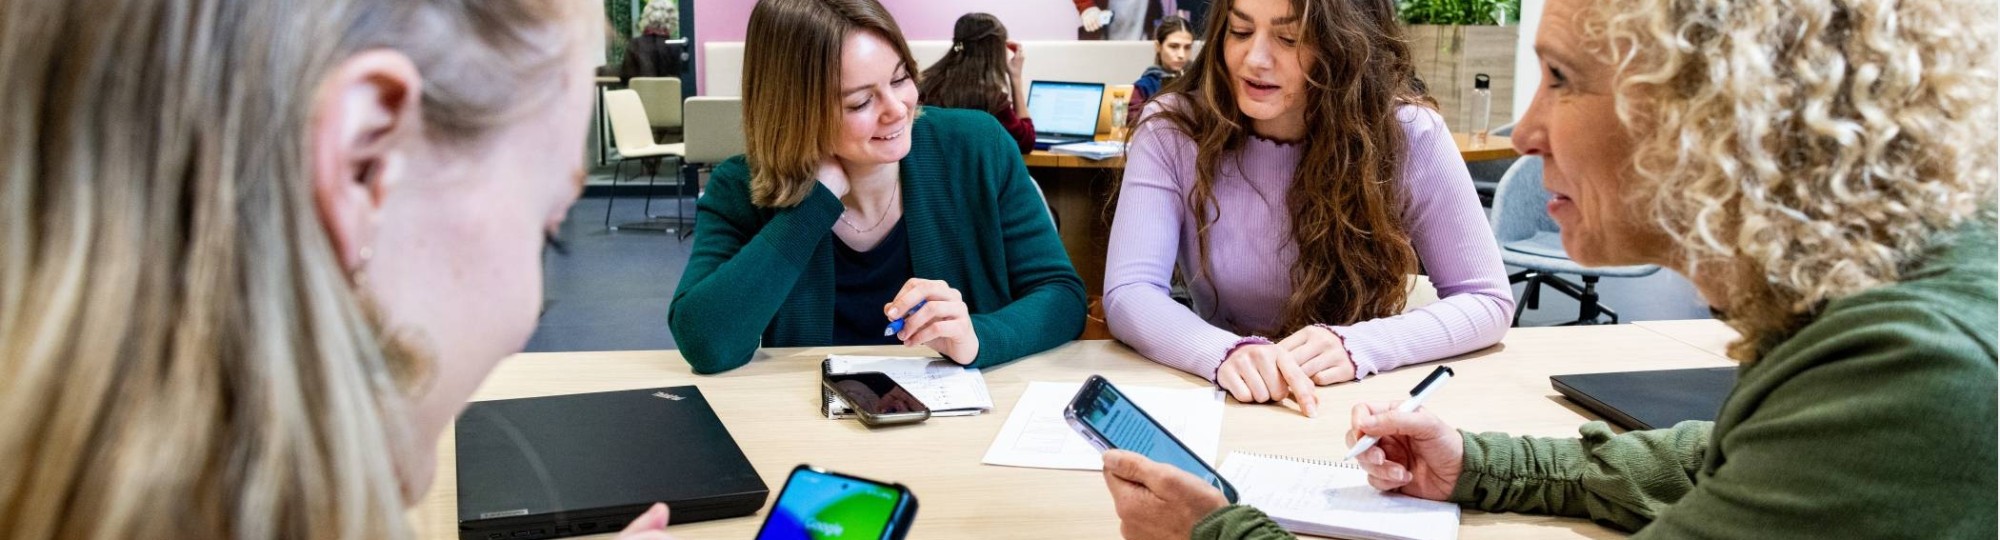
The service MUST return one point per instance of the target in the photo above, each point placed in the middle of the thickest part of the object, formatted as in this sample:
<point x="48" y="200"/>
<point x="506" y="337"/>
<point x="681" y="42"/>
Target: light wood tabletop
<point x="770" y="408"/>
<point x="1705" y="334"/>
<point x="1496" y="147"/>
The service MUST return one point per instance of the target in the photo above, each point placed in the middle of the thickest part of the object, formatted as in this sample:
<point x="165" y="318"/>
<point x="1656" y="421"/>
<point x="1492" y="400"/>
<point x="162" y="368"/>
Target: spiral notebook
<point x="1326" y="498"/>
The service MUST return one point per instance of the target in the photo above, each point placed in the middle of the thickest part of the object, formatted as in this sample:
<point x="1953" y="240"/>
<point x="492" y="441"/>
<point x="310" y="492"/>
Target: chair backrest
<point x="1044" y="197"/>
<point x="714" y="130"/>
<point x="662" y="97"/>
<point x="629" y="131"/>
<point x="1520" y="205"/>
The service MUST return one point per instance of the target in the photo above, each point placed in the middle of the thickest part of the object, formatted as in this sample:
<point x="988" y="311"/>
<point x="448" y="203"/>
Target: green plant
<point x="620" y="12"/>
<point x="1459" y="12"/>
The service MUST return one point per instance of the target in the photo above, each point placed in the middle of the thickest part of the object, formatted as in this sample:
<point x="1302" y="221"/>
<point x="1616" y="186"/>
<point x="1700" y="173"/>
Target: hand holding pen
<point x="1414" y="453"/>
<point x="932" y="314"/>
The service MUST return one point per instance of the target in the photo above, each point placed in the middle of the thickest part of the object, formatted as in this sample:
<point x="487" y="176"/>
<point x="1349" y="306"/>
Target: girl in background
<point x="1173" y="47"/>
<point x="982" y="72"/>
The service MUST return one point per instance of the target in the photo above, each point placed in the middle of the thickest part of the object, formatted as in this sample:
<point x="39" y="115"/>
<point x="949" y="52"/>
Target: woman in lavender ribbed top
<point x="1252" y="251"/>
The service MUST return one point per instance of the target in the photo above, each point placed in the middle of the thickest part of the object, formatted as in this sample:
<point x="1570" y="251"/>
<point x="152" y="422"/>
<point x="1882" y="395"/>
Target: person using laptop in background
<point x="1297" y="185"/>
<point x="982" y="72"/>
<point x="1173" y="46"/>
<point x="855" y="207"/>
<point x="248" y="276"/>
<point x="1832" y="197"/>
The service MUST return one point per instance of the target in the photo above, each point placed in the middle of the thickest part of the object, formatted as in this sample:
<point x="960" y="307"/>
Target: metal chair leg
<point x="690" y="176"/>
<point x="615" y="174"/>
<point x="649" y="185"/>
<point x="1587" y="308"/>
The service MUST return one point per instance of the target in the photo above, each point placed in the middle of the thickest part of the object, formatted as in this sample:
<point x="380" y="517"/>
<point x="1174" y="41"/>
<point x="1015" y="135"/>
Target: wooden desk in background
<point x="771" y="409"/>
<point x="1079" y="191"/>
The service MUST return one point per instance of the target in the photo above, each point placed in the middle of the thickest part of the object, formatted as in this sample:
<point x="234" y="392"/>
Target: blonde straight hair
<point x="791" y="88"/>
<point x="181" y="353"/>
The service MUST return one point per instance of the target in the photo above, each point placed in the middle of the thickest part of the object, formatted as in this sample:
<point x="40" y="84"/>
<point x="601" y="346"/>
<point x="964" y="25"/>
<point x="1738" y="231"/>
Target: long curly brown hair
<point x="1345" y="201"/>
<point x="973" y="74"/>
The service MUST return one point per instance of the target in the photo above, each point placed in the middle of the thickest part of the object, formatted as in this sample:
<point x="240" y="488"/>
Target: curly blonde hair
<point x="661" y="17"/>
<point x="1799" y="151"/>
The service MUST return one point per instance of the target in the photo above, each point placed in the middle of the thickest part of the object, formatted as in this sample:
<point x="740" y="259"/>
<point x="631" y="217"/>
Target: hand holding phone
<point x="876" y="398"/>
<point x="1111" y="421"/>
<point x="817" y="504"/>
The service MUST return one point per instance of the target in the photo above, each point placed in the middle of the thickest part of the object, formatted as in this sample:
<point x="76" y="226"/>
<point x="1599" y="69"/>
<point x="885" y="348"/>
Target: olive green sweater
<point x="1875" y="420"/>
<point x="974" y="219"/>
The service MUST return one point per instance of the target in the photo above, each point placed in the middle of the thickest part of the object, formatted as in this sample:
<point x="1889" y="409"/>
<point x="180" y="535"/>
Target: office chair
<point x="1530" y="239"/>
<point x="1486" y="174"/>
<point x="633" y="136"/>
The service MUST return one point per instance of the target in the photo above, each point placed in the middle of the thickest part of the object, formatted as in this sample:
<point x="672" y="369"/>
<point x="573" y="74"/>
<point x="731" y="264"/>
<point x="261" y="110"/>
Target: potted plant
<point x="1453" y="40"/>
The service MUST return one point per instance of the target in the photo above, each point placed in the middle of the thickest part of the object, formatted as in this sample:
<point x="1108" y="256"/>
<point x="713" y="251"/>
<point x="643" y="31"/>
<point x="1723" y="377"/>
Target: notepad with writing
<point x="1325" y="498"/>
<point x="947" y="388"/>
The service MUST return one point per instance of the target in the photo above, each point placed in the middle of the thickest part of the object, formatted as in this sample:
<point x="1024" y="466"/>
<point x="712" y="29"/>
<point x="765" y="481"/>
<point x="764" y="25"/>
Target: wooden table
<point x="769" y="408"/>
<point x="1705" y="334"/>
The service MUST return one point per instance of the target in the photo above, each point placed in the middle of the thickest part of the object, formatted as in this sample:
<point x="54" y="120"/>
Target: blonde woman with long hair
<point x="1824" y="172"/>
<point x="255" y="255"/>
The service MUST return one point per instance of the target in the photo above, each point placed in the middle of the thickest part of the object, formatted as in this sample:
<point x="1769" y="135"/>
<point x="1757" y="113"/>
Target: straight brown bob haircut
<point x="791" y="88"/>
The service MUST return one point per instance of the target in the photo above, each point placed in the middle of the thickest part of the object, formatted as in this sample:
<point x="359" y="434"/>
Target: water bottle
<point x="1119" y="101"/>
<point x="1482" y="107"/>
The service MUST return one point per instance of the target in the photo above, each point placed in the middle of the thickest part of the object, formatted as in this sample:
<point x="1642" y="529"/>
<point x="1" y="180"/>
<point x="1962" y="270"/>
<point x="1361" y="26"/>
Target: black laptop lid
<point x="589" y="452"/>
<point x="1650" y="399"/>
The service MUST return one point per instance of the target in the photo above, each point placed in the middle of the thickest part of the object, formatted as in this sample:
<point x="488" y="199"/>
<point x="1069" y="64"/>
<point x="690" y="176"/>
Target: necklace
<point x="893" y="199"/>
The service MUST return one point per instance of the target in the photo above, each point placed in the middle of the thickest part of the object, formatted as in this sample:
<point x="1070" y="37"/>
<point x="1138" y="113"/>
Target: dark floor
<point x="611" y="291"/>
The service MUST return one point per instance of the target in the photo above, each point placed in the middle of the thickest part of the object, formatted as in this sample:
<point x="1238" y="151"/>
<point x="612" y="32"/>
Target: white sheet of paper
<point x="1035" y="434"/>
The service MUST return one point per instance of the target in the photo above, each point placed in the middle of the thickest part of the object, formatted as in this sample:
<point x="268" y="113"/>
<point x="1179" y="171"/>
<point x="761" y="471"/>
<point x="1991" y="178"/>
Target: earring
<point x="367" y="253"/>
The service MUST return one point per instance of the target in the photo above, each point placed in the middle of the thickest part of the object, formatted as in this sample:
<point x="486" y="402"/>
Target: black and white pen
<point x="1424" y="389"/>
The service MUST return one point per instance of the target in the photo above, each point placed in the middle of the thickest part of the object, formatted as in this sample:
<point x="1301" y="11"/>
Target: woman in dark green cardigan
<point x="855" y="207"/>
<point x="1823" y="170"/>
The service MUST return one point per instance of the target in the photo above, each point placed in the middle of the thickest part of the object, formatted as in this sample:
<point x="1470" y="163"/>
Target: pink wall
<point x="1039" y="20"/>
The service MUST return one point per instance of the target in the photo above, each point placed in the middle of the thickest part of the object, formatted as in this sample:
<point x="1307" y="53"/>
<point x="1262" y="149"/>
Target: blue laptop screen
<point x="1065" y="108"/>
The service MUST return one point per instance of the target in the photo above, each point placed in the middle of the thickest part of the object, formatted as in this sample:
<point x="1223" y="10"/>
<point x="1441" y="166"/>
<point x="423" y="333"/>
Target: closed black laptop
<point x="1640" y="400"/>
<point x="589" y="463"/>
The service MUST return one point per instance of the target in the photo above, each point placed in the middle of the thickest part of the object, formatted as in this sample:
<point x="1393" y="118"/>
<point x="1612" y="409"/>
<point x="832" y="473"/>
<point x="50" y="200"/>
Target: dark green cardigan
<point x="1876" y="420"/>
<point x="974" y="219"/>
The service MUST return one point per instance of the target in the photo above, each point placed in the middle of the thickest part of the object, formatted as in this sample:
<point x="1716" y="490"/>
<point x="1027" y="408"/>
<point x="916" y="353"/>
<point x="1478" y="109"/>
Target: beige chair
<point x="662" y="97"/>
<point x="714" y="132"/>
<point x="633" y="137"/>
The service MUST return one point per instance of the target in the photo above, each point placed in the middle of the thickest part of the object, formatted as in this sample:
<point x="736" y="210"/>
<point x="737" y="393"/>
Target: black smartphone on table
<point x="1111" y="421"/>
<point x="876" y="398"/>
<point x="817" y="504"/>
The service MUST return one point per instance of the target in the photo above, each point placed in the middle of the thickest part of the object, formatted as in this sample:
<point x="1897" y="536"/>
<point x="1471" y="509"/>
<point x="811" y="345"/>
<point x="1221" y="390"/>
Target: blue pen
<point x="897" y="325"/>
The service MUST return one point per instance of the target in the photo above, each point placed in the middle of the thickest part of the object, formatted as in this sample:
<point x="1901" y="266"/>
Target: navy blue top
<point x="863" y="282"/>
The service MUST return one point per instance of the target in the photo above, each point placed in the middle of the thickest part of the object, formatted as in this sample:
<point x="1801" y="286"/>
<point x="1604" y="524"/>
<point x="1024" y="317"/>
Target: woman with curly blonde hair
<point x="1824" y="171"/>
<point x="655" y="51"/>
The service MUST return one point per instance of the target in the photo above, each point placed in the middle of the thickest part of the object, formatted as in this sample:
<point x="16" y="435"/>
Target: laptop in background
<point x="1064" y="112"/>
<point x="1640" y="400"/>
<point x="559" y="466"/>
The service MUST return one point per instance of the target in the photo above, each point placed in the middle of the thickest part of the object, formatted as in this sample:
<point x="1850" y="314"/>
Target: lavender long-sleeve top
<point x="1252" y="252"/>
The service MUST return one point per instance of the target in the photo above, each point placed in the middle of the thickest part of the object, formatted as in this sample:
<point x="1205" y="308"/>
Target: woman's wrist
<point x="1231" y="351"/>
